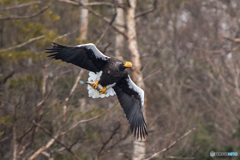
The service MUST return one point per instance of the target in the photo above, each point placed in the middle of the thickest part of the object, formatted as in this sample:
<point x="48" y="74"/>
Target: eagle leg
<point x="94" y="85"/>
<point x="103" y="91"/>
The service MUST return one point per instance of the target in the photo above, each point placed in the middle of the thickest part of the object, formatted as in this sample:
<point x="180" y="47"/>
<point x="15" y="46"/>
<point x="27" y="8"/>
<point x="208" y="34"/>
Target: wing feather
<point x="86" y="56"/>
<point x="131" y="98"/>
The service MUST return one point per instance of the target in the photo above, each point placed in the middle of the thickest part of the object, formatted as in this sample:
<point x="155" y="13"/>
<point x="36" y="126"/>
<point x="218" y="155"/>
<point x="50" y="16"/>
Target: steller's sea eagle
<point x="112" y="75"/>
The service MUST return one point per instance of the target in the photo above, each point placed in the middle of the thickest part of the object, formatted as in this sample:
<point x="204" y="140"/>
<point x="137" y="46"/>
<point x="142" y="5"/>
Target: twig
<point x="108" y="21"/>
<point x="237" y="40"/>
<point x="40" y="150"/>
<point x="104" y="32"/>
<point x="67" y="34"/>
<point x="25" y="147"/>
<point x="7" y="77"/>
<point x="2" y="140"/>
<point x="99" y="4"/>
<point x="23" y="44"/>
<point x="97" y="15"/>
<point x="171" y="145"/>
<point x="20" y="5"/>
<point x="28" y="16"/>
<point x="88" y="120"/>
<point x="71" y="92"/>
<point x="148" y="11"/>
<point x="109" y="139"/>
<point x="53" y="139"/>
<point x="57" y="140"/>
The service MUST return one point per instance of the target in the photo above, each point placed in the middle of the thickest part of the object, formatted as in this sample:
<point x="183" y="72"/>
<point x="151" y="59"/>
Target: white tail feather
<point x="93" y="92"/>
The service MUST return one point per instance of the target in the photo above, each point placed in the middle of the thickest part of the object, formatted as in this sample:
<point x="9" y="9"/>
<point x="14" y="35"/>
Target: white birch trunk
<point x="139" y="146"/>
<point x="83" y="22"/>
<point x="83" y="37"/>
<point x="119" y="37"/>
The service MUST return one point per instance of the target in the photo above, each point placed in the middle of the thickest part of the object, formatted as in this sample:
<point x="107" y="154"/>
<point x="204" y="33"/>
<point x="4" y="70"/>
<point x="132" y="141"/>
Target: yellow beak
<point x="128" y="64"/>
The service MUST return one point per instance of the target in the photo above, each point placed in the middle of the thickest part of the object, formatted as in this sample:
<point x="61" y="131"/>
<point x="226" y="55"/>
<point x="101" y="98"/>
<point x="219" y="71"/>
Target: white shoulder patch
<point x="93" y="92"/>
<point x="133" y="86"/>
<point x="97" y="53"/>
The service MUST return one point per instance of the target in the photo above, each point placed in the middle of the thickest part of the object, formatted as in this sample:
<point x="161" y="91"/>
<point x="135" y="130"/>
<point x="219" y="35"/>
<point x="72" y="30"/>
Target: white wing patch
<point x="133" y="86"/>
<point x="93" y="92"/>
<point x="97" y="53"/>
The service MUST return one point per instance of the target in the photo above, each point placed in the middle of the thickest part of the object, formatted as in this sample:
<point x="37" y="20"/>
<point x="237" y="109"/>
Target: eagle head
<point x="125" y="65"/>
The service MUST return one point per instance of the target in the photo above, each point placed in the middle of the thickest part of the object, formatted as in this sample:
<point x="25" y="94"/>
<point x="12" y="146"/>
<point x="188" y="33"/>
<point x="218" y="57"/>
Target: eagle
<point x="112" y="75"/>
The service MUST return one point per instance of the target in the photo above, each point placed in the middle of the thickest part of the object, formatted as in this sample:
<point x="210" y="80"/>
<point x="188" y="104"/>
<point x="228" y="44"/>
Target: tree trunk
<point x="119" y="37"/>
<point x="83" y="22"/>
<point x="15" y="143"/>
<point x="139" y="146"/>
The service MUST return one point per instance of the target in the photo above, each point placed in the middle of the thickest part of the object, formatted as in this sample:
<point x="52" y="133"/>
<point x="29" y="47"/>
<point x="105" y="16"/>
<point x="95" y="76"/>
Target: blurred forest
<point x="189" y="53"/>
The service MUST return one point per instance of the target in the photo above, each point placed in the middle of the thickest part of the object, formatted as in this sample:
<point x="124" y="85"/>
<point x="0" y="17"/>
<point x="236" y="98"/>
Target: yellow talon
<point x="103" y="91"/>
<point x="94" y="84"/>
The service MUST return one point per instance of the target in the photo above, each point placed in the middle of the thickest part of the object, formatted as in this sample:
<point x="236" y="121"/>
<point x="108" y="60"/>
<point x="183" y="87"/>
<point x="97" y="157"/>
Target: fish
<point x="94" y="92"/>
<point x="99" y="86"/>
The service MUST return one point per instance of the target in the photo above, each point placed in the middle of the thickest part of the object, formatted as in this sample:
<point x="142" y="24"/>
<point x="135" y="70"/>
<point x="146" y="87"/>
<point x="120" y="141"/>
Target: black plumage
<point x="114" y="72"/>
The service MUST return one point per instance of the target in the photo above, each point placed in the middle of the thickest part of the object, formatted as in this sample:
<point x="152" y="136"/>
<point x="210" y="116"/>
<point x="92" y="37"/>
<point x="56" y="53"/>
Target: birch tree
<point x="139" y="146"/>
<point x="119" y="37"/>
<point x="83" y="22"/>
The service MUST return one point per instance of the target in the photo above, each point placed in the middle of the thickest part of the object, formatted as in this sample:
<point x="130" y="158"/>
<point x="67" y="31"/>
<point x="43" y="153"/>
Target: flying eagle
<point x="111" y="74"/>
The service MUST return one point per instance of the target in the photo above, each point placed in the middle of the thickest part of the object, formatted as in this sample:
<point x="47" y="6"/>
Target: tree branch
<point x="172" y="144"/>
<point x="53" y="139"/>
<point x="28" y="16"/>
<point x="97" y="15"/>
<point x="88" y="120"/>
<point x="57" y="140"/>
<point x="104" y="32"/>
<point x="66" y="34"/>
<point x="71" y="92"/>
<point x="109" y="139"/>
<point x="21" y="5"/>
<point x="237" y="40"/>
<point x="148" y="11"/>
<point x="23" y="44"/>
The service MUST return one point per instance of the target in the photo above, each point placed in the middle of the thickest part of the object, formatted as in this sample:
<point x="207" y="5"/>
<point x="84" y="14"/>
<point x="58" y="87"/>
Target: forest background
<point x="186" y="58"/>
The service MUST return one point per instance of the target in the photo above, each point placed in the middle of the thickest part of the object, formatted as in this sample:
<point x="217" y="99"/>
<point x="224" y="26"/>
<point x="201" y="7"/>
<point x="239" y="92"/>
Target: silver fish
<point x="99" y="86"/>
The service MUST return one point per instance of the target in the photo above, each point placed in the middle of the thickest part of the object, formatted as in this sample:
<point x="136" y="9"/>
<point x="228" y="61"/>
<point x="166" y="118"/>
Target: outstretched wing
<point x="131" y="98"/>
<point x="86" y="56"/>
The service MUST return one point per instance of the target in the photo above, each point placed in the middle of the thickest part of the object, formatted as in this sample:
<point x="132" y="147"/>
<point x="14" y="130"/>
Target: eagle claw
<point x="94" y="85"/>
<point x="103" y="91"/>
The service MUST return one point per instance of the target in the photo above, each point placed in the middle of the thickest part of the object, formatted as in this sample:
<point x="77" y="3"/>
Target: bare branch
<point x="25" y="147"/>
<point x="65" y="35"/>
<point x="23" y="44"/>
<point x="71" y="92"/>
<point x="21" y="5"/>
<point x="172" y="144"/>
<point x="148" y="11"/>
<point x="99" y="4"/>
<point x="7" y="77"/>
<point x="28" y="16"/>
<point x="109" y="139"/>
<point x="104" y="32"/>
<point x="108" y="21"/>
<point x="97" y="15"/>
<point x="53" y="139"/>
<point x="237" y="40"/>
<point x="88" y="120"/>
<point x="40" y="150"/>
<point x="57" y="140"/>
<point x="2" y="140"/>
